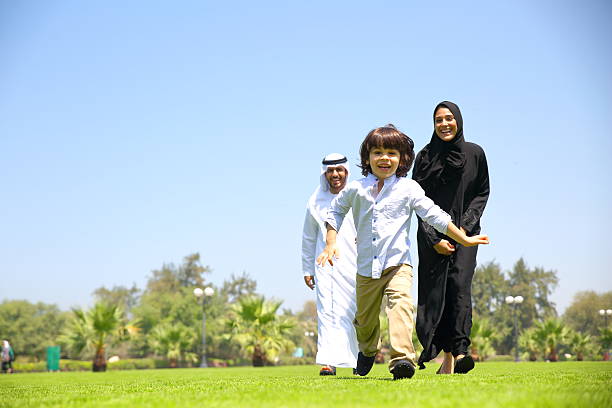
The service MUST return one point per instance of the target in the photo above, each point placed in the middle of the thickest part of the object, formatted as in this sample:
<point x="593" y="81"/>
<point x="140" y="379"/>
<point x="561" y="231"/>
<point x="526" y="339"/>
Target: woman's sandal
<point x="465" y="364"/>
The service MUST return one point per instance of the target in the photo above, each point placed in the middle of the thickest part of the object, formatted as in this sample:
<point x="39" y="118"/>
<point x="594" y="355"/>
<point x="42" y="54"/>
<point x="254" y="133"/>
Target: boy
<point x="382" y="205"/>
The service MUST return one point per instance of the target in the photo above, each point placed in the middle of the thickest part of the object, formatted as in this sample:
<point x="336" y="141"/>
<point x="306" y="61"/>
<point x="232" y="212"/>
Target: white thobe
<point x="334" y="285"/>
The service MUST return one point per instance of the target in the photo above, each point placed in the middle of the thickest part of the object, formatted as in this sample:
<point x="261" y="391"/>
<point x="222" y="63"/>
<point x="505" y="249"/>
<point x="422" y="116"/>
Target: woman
<point x="453" y="174"/>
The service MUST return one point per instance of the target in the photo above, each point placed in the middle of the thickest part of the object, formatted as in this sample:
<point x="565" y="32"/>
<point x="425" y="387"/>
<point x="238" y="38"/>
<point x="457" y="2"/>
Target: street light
<point x="309" y="334"/>
<point x="205" y="295"/>
<point x="605" y="313"/>
<point x="514" y="301"/>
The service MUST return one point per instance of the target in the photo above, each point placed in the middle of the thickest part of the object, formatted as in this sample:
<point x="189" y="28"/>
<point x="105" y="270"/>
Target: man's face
<point x="336" y="177"/>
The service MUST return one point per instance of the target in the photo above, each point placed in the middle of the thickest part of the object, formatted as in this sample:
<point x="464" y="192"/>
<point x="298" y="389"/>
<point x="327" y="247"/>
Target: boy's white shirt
<point x="383" y="220"/>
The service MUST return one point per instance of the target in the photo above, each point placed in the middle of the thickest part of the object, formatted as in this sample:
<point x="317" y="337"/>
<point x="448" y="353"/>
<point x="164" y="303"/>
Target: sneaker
<point x="327" y="370"/>
<point x="464" y="365"/>
<point x="402" y="369"/>
<point x="364" y="364"/>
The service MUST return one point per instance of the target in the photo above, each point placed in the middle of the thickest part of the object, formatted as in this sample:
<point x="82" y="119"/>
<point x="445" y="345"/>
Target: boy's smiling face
<point x="384" y="162"/>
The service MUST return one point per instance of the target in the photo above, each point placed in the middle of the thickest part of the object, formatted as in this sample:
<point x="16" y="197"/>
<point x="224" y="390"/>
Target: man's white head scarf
<point x="321" y="198"/>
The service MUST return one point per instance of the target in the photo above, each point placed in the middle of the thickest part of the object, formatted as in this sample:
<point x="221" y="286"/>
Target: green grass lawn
<point x="564" y="384"/>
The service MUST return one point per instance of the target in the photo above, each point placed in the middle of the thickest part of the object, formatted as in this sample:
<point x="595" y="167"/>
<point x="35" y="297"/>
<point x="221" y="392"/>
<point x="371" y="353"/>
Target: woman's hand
<point x="329" y="253"/>
<point x="310" y="281"/>
<point x="444" y="247"/>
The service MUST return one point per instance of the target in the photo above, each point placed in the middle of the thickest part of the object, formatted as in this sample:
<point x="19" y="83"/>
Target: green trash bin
<point x="53" y="358"/>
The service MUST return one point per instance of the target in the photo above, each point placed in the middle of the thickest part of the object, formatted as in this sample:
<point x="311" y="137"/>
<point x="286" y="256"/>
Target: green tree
<point x="582" y="315"/>
<point x="31" y="327"/>
<point x="256" y="326"/>
<point x="238" y="286"/>
<point x="489" y="289"/>
<point x="482" y="336"/>
<point x="532" y="343"/>
<point x="554" y="332"/>
<point x="306" y="322"/>
<point x="535" y="286"/>
<point x="605" y="341"/>
<point x="125" y="298"/>
<point x="168" y="298"/>
<point x="175" y="342"/>
<point x="94" y="330"/>
<point x="580" y="344"/>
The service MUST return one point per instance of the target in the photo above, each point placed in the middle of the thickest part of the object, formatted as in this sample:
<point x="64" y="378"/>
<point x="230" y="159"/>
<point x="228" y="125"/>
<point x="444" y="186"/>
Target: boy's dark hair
<point x="387" y="137"/>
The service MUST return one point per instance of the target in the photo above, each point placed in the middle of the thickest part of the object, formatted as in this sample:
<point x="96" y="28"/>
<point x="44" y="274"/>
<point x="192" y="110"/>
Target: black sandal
<point x="463" y="365"/>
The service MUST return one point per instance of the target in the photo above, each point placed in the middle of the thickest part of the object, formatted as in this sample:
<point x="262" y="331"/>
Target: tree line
<point x="164" y="320"/>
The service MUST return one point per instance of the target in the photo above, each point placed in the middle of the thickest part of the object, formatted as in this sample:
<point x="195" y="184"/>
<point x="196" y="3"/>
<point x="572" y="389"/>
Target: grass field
<point x="565" y="384"/>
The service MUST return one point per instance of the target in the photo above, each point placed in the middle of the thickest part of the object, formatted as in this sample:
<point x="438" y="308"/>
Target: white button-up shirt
<point x="383" y="220"/>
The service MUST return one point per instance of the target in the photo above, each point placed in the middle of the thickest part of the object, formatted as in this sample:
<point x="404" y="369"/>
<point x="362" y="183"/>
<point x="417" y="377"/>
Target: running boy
<point x="382" y="203"/>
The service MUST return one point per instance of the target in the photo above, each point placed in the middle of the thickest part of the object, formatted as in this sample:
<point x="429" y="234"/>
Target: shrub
<point x="501" y="357"/>
<point x="77" y="365"/>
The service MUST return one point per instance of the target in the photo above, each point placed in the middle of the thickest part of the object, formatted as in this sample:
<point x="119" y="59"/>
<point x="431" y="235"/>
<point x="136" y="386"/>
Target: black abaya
<point x="455" y="176"/>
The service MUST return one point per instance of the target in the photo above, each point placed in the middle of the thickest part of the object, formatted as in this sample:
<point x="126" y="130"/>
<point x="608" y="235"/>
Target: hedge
<point x="78" y="365"/>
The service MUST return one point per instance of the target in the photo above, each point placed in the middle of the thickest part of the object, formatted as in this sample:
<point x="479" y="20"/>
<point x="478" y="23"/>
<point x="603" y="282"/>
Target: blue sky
<point x="135" y="133"/>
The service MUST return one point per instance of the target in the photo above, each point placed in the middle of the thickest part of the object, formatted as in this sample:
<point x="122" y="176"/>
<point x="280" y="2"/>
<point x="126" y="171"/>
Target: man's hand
<point x="310" y="281"/>
<point x="444" y="247"/>
<point x="329" y="253"/>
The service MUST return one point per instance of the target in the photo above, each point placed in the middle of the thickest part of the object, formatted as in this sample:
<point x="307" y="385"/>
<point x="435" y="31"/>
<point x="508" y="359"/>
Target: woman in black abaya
<point x="454" y="175"/>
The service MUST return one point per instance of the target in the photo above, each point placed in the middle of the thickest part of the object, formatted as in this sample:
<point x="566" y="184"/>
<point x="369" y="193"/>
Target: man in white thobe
<point x="335" y="285"/>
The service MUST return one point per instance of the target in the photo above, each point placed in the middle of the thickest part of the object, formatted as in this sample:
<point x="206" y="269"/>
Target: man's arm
<point x="310" y="235"/>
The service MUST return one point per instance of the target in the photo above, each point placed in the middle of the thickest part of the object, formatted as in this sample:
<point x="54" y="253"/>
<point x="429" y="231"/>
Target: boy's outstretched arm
<point x="460" y="236"/>
<point x="331" y="250"/>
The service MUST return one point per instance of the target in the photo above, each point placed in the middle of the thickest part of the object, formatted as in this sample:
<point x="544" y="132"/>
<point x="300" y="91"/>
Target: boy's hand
<point x="310" y="281"/>
<point x="329" y="253"/>
<point x="477" y="240"/>
<point x="444" y="247"/>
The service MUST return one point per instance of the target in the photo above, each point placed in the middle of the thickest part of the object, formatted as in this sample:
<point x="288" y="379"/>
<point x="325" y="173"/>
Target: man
<point x="334" y="285"/>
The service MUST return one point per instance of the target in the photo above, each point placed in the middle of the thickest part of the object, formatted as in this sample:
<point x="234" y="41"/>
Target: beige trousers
<point x="396" y="283"/>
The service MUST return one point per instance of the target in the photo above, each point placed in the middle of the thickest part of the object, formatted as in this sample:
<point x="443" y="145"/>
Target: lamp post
<point x="514" y="301"/>
<point x="205" y="295"/>
<point x="605" y="313"/>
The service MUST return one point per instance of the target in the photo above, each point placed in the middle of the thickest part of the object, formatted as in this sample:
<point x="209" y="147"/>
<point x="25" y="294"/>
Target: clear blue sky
<point x="135" y="133"/>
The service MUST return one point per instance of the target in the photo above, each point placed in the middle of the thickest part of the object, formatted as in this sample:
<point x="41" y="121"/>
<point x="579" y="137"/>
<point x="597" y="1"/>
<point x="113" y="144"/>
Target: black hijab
<point x="441" y="162"/>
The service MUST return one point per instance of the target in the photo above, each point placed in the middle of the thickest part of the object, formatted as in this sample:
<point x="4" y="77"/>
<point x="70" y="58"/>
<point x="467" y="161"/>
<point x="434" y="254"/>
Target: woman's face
<point x="445" y="124"/>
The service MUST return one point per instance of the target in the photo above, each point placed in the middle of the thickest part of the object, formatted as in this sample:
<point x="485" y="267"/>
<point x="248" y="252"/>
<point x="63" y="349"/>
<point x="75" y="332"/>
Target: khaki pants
<point x="396" y="283"/>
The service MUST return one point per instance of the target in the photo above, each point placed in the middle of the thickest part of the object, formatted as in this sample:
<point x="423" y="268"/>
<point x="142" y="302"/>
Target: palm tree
<point x="94" y="330"/>
<point x="554" y="332"/>
<point x="255" y="325"/>
<point x="173" y="342"/>
<point x="605" y="340"/>
<point x="580" y="344"/>
<point x="533" y="343"/>
<point x="483" y="336"/>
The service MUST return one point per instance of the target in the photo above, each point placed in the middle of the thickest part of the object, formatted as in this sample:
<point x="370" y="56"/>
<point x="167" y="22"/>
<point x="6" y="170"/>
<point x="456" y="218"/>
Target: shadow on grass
<point x="356" y="378"/>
